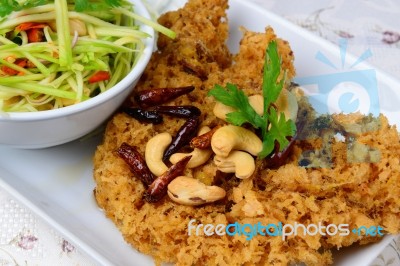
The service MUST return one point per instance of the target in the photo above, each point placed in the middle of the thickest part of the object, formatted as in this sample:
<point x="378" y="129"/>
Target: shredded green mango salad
<point x="58" y="53"/>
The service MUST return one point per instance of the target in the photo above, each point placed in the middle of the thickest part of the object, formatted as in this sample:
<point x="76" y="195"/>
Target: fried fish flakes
<point x="359" y="193"/>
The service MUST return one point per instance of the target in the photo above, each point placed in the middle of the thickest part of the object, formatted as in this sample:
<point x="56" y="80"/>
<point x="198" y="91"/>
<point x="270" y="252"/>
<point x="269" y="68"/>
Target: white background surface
<point x="366" y="24"/>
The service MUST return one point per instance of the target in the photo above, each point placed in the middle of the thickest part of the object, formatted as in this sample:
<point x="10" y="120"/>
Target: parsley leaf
<point x="279" y="131"/>
<point x="275" y="129"/>
<point x="272" y="69"/>
<point x="233" y="97"/>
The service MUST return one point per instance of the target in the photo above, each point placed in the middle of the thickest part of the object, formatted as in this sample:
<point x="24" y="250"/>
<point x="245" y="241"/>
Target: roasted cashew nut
<point x="221" y="110"/>
<point x="238" y="162"/>
<point x="190" y="191"/>
<point x="199" y="156"/>
<point x="154" y="152"/>
<point x="230" y="137"/>
<point x="257" y="102"/>
<point x="286" y="103"/>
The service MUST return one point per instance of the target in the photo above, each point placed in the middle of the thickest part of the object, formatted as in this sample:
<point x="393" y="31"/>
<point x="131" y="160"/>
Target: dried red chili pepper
<point x="278" y="158"/>
<point x="203" y="141"/>
<point x="152" y="97"/>
<point x="136" y="162"/>
<point x="182" y="111"/>
<point x="143" y="115"/>
<point x="158" y="189"/>
<point x="185" y="133"/>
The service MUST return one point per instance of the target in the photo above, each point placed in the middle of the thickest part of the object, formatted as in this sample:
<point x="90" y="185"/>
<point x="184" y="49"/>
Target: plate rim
<point x="91" y="252"/>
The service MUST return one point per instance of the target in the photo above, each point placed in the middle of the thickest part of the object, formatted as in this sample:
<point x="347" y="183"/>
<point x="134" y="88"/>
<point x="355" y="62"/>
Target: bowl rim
<point x="103" y="97"/>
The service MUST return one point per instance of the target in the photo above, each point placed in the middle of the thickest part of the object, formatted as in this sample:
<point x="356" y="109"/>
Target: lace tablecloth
<point x="366" y="24"/>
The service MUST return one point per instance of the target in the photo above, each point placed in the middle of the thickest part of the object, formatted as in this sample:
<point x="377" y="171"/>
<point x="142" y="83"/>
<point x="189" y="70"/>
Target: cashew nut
<point x="155" y="148"/>
<point x="231" y="137"/>
<point x="192" y="192"/>
<point x="257" y="102"/>
<point x="221" y="110"/>
<point x="238" y="162"/>
<point x="199" y="156"/>
<point x="287" y="103"/>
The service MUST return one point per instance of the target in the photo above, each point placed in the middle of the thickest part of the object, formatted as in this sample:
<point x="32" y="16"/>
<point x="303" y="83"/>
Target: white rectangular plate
<point x="57" y="183"/>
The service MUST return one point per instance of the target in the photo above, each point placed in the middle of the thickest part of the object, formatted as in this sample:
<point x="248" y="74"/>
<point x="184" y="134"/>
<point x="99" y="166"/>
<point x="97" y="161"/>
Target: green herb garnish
<point x="275" y="129"/>
<point x="8" y="6"/>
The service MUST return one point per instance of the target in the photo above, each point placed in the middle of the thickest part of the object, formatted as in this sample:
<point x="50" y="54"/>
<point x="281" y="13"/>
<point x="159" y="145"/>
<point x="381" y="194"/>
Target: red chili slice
<point x="99" y="76"/>
<point x="35" y="35"/>
<point x="22" y="62"/>
<point x="30" y="25"/>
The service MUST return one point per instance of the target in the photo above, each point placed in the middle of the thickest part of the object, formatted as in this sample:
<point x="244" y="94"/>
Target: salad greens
<point x="274" y="126"/>
<point x="58" y="53"/>
<point x="8" y="6"/>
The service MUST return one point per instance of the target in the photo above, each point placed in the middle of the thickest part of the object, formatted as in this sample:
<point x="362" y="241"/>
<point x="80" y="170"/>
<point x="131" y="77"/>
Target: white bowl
<point x="42" y="129"/>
